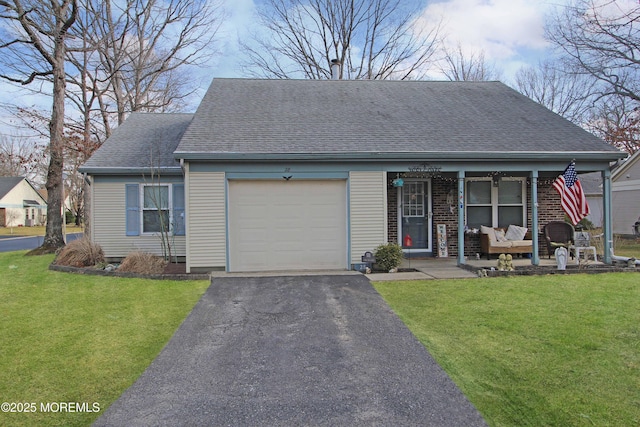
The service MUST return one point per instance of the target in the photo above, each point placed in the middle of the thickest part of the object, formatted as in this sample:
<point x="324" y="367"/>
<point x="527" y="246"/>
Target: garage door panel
<point x="276" y="225"/>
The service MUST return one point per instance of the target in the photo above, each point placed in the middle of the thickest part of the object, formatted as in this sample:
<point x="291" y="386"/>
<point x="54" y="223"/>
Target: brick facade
<point x="548" y="210"/>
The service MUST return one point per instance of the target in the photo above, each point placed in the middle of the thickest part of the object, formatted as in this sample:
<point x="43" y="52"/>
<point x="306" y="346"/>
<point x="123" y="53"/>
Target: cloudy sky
<point x="509" y="32"/>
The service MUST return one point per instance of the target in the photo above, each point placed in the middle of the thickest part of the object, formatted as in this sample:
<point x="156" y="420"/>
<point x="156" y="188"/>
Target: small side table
<point x="584" y="249"/>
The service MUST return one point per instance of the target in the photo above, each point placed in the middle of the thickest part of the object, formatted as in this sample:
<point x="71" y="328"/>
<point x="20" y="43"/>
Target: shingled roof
<point x="8" y="183"/>
<point x="241" y="118"/>
<point x="143" y="141"/>
<point x="245" y="119"/>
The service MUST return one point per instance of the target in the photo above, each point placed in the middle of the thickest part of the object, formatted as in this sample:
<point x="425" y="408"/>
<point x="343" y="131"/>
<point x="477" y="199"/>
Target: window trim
<point x="419" y="205"/>
<point x="495" y="205"/>
<point x="143" y="209"/>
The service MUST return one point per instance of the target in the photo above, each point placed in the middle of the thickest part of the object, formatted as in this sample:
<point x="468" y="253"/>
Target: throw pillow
<point x="500" y="236"/>
<point x="515" y="232"/>
<point x="488" y="231"/>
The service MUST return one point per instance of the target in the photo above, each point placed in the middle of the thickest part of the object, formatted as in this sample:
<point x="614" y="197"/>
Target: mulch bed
<point x="536" y="270"/>
<point x="171" y="272"/>
<point x="177" y="271"/>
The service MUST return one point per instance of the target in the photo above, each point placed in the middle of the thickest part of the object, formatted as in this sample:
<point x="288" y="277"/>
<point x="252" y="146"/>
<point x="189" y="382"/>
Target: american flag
<point x="572" y="198"/>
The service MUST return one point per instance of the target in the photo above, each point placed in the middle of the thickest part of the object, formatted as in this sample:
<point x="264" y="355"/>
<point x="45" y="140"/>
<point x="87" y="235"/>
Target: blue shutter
<point x="178" y="210"/>
<point x="133" y="209"/>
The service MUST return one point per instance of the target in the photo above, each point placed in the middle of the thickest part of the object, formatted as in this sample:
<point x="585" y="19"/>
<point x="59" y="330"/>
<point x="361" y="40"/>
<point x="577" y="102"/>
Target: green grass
<point x="75" y="338"/>
<point x="627" y="247"/>
<point x="533" y="351"/>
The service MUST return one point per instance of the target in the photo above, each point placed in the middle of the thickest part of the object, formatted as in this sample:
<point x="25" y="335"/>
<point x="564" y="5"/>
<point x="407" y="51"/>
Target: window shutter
<point x="133" y="209"/>
<point x="178" y="210"/>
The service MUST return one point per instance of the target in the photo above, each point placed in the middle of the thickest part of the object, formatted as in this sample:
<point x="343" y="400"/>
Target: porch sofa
<point x="514" y="240"/>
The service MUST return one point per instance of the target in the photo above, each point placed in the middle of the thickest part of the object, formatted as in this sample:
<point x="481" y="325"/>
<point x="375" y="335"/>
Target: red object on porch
<point x="408" y="241"/>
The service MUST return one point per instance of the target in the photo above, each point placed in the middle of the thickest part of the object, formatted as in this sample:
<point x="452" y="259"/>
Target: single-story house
<point x="626" y="195"/>
<point x="311" y="174"/>
<point x="20" y="203"/>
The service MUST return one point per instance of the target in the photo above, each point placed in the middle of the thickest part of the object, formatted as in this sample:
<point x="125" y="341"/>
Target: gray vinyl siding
<point x="368" y="210"/>
<point x="626" y="209"/>
<point x="625" y="196"/>
<point x="109" y="223"/>
<point x="206" y="220"/>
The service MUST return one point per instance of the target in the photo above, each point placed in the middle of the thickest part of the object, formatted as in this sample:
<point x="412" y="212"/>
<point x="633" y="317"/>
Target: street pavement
<point x="10" y="244"/>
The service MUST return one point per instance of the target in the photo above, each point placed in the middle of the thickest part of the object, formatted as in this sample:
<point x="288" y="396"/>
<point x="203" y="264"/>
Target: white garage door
<point x="287" y="225"/>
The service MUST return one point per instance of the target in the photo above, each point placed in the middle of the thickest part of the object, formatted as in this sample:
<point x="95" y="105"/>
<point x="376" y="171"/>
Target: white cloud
<point x="239" y="20"/>
<point x="507" y="31"/>
<point x="499" y="27"/>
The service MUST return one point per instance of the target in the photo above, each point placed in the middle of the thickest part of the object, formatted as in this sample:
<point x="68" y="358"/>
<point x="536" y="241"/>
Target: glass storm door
<point x="414" y="216"/>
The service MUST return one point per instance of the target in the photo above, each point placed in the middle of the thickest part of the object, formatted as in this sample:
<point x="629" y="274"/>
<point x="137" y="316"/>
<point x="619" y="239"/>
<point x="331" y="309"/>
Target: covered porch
<point x="462" y="196"/>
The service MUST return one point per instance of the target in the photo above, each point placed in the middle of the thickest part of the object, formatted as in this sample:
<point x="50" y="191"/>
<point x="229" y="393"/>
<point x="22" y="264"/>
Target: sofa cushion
<point x="505" y="244"/>
<point x="515" y="232"/>
<point x="489" y="231"/>
<point x="500" y="237"/>
<point x="521" y="243"/>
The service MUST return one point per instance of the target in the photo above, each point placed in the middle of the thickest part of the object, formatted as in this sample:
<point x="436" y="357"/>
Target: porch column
<point x="607" y="217"/>
<point x="461" y="175"/>
<point x="535" y="257"/>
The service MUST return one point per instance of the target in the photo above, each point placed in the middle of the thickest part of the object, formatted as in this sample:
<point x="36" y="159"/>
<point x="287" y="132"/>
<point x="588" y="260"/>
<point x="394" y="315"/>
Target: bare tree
<point x="77" y="152"/>
<point x="135" y="54"/>
<point x="460" y="66"/>
<point x="618" y="123"/>
<point x="11" y="216"/>
<point x="601" y="38"/>
<point x="562" y="91"/>
<point x="371" y="39"/>
<point x="21" y="156"/>
<point x="33" y="41"/>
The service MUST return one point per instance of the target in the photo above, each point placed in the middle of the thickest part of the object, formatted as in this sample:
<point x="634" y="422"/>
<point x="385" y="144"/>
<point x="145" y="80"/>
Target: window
<point x="496" y="206"/>
<point x="156" y="216"/>
<point x="152" y="208"/>
<point x="413" y="203"/>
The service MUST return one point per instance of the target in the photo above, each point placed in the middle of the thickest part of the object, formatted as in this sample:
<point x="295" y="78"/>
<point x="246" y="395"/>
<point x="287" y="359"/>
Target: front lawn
<point x="532" y="351"/>
<point x="627" y="247"/>
<point x="80" y="339"/>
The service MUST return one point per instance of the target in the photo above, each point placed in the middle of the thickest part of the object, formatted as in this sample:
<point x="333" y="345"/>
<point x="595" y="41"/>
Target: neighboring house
<point x="20" y="203"/>
<point x="311" y="174"/>
<point x="592" y="188"/>
<point x="67" y="199"/>
<point x="626" y="195"/>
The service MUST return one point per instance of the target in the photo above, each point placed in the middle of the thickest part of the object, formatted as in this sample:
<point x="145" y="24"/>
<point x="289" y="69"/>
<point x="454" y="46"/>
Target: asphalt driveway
<point x="285" y="351"/>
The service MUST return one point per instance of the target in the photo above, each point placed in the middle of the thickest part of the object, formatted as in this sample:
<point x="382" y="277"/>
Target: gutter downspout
<point x="88" y="206"/>
<point x="626" y="259"/>
<point x="607" y="216"/>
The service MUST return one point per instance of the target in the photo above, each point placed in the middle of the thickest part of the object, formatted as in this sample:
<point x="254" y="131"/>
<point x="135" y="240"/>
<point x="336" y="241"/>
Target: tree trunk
<point x="44" y="26"/>
<point x="53" y="238"/>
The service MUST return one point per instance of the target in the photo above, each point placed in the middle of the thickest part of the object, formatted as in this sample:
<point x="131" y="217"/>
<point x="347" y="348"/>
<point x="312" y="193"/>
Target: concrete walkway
<point x="292" y="351"/>
<point x="426" y="270"/>
<point x="447" y="268"/>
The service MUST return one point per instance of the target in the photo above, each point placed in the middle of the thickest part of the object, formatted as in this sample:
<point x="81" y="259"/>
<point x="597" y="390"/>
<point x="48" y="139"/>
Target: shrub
<point x="585" y="224"/>
<point x="80" y="253"/>
<point x="388" y="256"/>
<point x="143" y="263"/>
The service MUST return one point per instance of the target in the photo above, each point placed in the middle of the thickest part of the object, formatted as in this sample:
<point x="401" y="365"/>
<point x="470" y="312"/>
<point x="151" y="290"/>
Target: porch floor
<point x="447" y="268"/>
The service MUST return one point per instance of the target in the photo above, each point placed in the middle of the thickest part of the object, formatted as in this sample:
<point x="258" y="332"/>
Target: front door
<point x="414" y="217"/>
